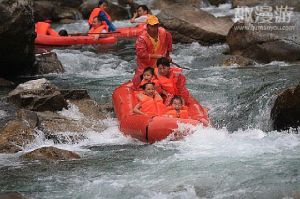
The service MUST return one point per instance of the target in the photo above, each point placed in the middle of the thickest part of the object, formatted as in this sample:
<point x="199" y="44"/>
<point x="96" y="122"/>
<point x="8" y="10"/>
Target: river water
<point x="240" y="157"/>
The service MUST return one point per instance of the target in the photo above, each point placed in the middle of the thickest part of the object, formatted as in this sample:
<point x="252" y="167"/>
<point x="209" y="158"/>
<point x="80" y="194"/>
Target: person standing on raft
<point x="104" y="16"/>
<point x="155" y="42"/>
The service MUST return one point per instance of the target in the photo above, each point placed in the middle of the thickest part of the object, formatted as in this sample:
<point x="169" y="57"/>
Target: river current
<point x="239" y="157"/>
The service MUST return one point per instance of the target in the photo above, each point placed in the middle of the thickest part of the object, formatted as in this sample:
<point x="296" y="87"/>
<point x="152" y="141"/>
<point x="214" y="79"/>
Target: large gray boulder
<point x="254" y="41"/>
<point x="38" y="95"/>
<point x="116" y="12"/>
<point x="56" y="10"/>
<point x="188" y="24"/>
<point x="286" y="110"/>
<point x="16" y="37"/>
<point x="162" y="4"/>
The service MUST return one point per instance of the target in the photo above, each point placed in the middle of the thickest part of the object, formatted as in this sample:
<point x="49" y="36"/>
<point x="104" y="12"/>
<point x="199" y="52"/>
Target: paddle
<point x="85" y="34"/>
<point x="180" y="66"/>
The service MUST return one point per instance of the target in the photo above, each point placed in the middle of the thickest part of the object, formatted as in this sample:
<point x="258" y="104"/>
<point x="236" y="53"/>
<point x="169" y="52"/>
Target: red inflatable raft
<point x="50" y="40"/>
<point x="128" y="32"/>
<point x="144" y="128"/>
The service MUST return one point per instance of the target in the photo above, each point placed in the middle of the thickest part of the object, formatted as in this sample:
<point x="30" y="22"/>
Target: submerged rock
<point x="16" y="38"/>
<point x="237" y="60"/>
<point x="38" y="95"/>
<point x="188" y="25"/>
<point x="286" y="110"/>
<point x="11" y="195"/>
<point x="48" y="63"/>
<point x="266" y="42"/>
<point x="50" y="153"/>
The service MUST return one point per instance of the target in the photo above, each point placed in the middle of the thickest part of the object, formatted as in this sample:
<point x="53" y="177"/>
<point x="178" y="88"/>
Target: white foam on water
<point x="89" y="64"/>
<point x="221" y="10"/>
<point x="3" y="114"/>
<point x="211" y="142"/>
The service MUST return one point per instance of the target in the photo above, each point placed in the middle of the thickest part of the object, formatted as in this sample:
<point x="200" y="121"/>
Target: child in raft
<point x="149" y="76"/>
<point x="150" y="102"/>
<point x="177" y="109"/>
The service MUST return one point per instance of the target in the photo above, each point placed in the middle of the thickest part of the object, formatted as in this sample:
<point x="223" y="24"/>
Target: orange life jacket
<point x="161" y="48"/>
<point x="156" y="84"/>
<point x="151" y="106"/>
<point x="168" y="83"/>
<point x="44" y="28"/>
<point x="98" y="29"/>
<point x="183" y="113"/>
<point x="96" y="12"/>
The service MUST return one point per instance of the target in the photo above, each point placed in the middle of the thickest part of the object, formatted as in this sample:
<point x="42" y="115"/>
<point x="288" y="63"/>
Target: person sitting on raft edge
<point x="177" y="109"/>
<point x="141" y="14"/>
<point x="150" y="102"/>
<point x="104" y="16"/>
<point x="155" y="42"/>
<point x="98" y="27"/>
<point x="171" y="80"/>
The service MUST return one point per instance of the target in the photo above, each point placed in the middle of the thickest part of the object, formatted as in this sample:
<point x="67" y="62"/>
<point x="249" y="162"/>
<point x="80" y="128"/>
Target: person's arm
<point x="170" y="47"/>
<point x="134" y="17"/>
<point x="111" y="26"/>
<point x="136" y="109"/>
<point x="141" y="19"/>
<point x="181" y="87"/>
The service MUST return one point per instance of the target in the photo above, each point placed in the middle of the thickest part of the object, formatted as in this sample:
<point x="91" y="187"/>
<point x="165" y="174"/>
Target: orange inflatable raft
<point x="144" y="128"/>
<point x="47" y="36"/>
<point x="50" y="40"/>
<point x="128" y="32"/>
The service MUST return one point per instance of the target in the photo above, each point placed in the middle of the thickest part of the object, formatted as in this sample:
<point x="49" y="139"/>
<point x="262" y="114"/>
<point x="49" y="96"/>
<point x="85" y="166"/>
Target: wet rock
<point x="237" y="60"/>
<point x="188" y="25"/>
<point x="11" y="195"/>
<point x="250" y="3"/>
<point x="55" y="10"/>
<point x="76" y="94"/>
<point x="48" y="63"/>
<point x="6" y="83"/>
<point x="286" y="110"/>
<point x="15" y="135"/>
<point x="16" y="37"/>
<point x="265" y="45"/>
<point x="50" y="153"/>
<point x="162" y="4"/>
<point x="85" y="115"/>
<point x="115" y="11"/>
<point x="38" y="95"/>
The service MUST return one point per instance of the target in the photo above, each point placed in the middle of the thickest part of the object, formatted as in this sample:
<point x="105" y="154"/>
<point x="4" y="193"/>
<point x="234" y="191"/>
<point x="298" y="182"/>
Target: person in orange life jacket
<point x="141" y="14"/>
<point x="150" y="102"/>
<point x="104" y="16"/>
<point x="155" y="42"/>
<point x="171" y="80"/>
<point x="177" y="109"/>
<point x="147" y="77"/>
<point x="97" y="27"/>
